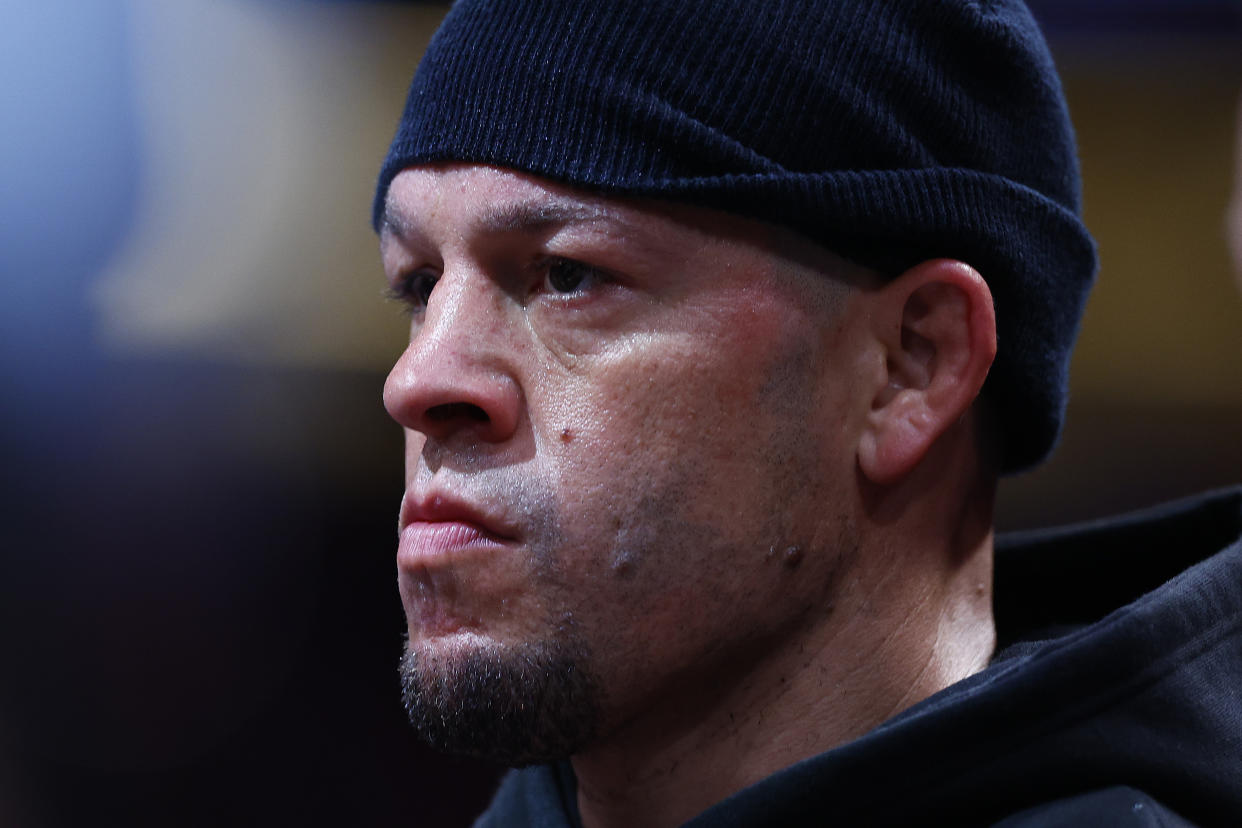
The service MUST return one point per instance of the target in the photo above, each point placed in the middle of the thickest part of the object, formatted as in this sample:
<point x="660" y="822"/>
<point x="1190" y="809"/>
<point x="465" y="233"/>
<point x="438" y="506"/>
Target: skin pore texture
<point x="688" y="498"/>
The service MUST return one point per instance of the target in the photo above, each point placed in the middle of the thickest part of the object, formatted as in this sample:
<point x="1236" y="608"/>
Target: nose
<point x="455" y="379"/>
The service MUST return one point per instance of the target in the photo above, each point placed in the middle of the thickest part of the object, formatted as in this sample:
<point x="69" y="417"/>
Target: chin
<point x="513" y="704"/>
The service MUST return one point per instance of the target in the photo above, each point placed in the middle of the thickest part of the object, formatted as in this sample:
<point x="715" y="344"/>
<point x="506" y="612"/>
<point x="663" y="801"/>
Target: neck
<point x="905" y="620"/>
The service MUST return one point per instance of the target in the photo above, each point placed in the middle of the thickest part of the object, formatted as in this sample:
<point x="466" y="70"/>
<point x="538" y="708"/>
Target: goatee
<point x="514" y="705"/>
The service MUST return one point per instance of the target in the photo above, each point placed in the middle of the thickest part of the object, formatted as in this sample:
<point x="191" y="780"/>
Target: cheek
<point x="717" y="364"/>
<point x="673" y="458"/>
<point x="737" y="402"/>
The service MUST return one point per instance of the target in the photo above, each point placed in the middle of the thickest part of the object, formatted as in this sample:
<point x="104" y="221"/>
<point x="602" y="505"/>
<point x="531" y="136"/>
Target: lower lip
<point x="423" y="543"/>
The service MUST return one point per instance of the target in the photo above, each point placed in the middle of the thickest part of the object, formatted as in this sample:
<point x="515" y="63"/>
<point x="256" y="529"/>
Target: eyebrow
<point x="532" y="217"/>
<point x="520" y="217"/>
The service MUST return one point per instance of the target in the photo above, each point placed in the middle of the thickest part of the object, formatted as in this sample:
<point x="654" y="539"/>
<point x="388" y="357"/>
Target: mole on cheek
<point x="567" y="436"/>
<point x="623" y="565"/>
<point x="792" y="557"/>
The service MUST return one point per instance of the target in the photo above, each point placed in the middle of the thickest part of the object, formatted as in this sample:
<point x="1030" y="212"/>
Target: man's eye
<point x="415" y="288"/>
<point x="569" y="276"/>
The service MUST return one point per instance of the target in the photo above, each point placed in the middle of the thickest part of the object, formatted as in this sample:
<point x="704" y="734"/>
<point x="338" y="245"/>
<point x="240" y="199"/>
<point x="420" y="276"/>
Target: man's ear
<point x="937" y="327"/>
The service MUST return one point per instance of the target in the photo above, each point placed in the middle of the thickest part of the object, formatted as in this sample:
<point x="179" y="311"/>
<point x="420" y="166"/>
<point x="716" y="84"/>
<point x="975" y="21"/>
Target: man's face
<point x="627" y="446"/>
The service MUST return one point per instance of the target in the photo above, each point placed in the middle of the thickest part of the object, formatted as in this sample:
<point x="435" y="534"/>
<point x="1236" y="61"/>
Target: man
<point x="726" y="317"/>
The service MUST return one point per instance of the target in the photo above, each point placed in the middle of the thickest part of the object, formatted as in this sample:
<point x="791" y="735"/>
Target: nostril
<point x="449" y="412"/>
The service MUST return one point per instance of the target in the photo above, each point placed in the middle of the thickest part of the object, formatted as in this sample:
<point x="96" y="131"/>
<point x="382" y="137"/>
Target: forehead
<point x="490" y="197"/>
<point x="449" y="203"/>
<point x="469" y="210"/>
<point x="452" y="202"/>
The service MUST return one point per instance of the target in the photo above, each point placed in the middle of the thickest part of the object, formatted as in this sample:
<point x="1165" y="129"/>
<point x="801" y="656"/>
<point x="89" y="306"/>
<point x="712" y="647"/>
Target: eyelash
<point x="549" y="266"/>
<point x="409" y="289"/>
<point x="414" y="289"/>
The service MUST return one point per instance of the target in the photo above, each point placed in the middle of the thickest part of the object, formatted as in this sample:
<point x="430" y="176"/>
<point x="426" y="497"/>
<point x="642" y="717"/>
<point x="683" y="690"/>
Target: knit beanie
<point x="888" y="131"/>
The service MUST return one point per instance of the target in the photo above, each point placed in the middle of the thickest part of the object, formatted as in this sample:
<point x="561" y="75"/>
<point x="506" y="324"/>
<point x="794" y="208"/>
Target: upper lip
<point x="439" y="507"/>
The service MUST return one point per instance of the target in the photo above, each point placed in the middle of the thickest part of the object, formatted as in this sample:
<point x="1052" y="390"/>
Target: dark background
<point x="198" y="620"/>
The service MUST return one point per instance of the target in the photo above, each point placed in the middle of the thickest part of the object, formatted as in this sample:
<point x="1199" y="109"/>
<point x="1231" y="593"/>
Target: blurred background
<point x="198" y="619"/>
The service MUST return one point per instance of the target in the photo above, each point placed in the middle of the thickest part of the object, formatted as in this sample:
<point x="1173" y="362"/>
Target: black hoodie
<point x="1115" y="699"/>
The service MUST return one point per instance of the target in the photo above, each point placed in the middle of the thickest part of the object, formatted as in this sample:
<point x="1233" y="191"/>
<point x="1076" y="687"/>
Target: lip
<point x="435" y="527"/>
<point x="443" y="508"/>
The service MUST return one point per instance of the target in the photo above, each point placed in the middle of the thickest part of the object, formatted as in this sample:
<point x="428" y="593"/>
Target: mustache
<point x="464" y="453"/>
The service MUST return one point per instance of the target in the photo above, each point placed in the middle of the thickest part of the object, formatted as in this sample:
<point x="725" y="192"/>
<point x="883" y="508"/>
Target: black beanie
<point x="888" y="131"/>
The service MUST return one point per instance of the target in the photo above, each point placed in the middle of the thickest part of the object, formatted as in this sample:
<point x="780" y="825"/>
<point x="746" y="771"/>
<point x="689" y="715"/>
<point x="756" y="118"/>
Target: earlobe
<point x="937" y="327"/>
